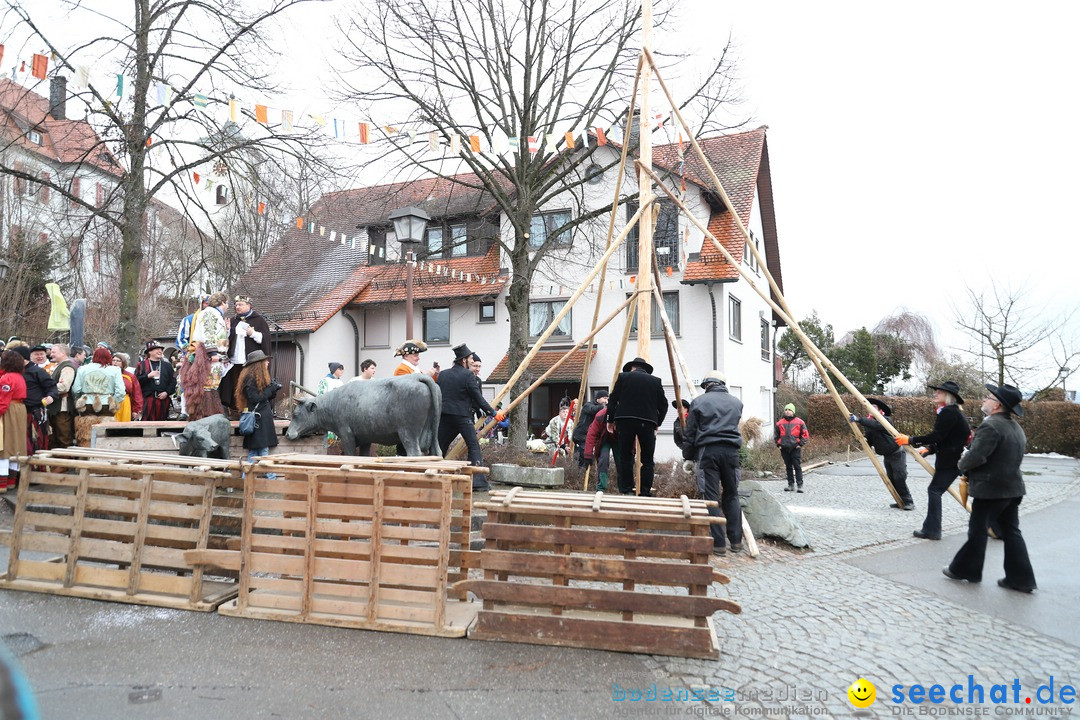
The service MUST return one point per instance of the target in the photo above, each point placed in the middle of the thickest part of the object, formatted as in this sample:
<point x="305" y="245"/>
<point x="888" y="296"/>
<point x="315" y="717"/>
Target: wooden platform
<point x="118" y="529"/>
<point x="156" y="437"/>
<point x="361" y="544"/>
<point x="612" y="572"/>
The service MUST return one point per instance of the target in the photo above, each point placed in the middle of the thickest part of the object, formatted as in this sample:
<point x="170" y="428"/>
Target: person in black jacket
<point x="255" y="391"/>
<point x="950" y="435"/>
<point x="248" y="332"/>
<point x="582" y="423"/>
<point x="712" y="439"/>
<point x="893" y="455"/>
<point x="460" y="394"/>
<point x="636" y="408"/>
<point x="40" y="393"/>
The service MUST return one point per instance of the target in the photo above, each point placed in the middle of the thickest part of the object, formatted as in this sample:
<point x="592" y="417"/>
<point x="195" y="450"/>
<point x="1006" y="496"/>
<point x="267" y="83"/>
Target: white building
<point x="330" y="302"/>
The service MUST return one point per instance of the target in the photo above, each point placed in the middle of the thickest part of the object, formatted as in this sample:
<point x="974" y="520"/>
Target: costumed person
<point x="409" y="351"/>
<point x="41" y="392"/>
<point x="157" y="381"/>
<point x="62" y="412"/>
<point x="183" y="333"/>
<point x="131" y="405"/>
<point x="332" y="381"/>
<point x="712" y="440"/>
<point x="255" y="391"/>
<point x="948" y="438"/>
<point x="98" y="391"/>
<point x="474" y="367"/>
<point x="208" y="330"/>
<point x="791" y="435"/>
<point x="893" y="456"/>
<point x="600" y="441"/>
<point x="637" y="406"/>
<point x="996" y="486"/>
<point x="12" y="416"/>
<point x="249" y="332"/>
<point x="583" y="422"/>
<point x="460" y="394"/>
<point x="39" y="355"/>
<point x="560" y="430"/>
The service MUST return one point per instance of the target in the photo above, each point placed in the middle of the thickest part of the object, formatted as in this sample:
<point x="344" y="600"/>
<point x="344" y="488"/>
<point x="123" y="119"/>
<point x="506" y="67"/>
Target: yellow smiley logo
<point x="862" y="693"/>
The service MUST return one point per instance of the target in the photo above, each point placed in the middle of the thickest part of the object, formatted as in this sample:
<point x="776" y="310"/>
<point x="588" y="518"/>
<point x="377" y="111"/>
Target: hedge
<point x="1050" y="426"/>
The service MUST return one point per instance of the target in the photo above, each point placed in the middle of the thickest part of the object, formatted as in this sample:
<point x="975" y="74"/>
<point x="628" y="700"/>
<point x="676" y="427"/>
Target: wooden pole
<point x="812" y="350"/>
<point x="645" y="193"/>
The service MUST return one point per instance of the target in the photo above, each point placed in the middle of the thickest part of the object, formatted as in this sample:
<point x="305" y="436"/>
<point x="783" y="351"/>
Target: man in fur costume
<point x="208" y="332"/>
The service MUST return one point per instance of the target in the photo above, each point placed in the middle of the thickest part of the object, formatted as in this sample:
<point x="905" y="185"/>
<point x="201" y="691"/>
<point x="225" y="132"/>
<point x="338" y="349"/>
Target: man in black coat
<point x="460" y="394"/>
<point x="948" y="438"/>
<point x="583" y="421"/>
<point x="996" y="486"/>
<point x="712" y="440"/>
<point x="893" y="456"/>
<point x="636" y="408"/>
<point x="41" y="392"/>
<point x="253" y="328"/>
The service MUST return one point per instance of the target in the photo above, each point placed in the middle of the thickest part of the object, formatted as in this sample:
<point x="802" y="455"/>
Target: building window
<point x="376" y="246"/>
<point x="76" y="190"/>
<point x="35" y="137"/>
<point x="73" y="247"/>
<point x="376" y="328"/>
<point x="766" y="349"/>
<point x="99" y="195"/>
<point x="665" y="237"/>
<point x="437" y="326"/>
<point x="542" y="313"/>
<point x="434" y="241"/>
<point x="44" y="191"/>
<point x="543" y="227"/>
<point x="448" y="241"/>
<point x="656" y="324"/>
<point x="748" y="256"/>
<point x="487" y="312"/>
<point x="734" y="318"/>
<point x="594" y="174"/>
<point x="222" y="196"/>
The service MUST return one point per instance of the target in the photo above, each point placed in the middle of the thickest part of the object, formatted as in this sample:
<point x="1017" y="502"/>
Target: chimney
<point x="58" y="97"/>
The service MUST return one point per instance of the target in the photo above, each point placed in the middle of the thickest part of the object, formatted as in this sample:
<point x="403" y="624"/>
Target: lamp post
<point x="409" y="225"/>
<point x="1062" y="374"/>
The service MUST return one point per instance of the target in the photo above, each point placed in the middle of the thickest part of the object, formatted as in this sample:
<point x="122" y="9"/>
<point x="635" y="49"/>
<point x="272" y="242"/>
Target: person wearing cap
<point x="712" y="440"/>
<point x="157" y="381"/>
<point x="249" y="332"/>
<point x="996" y="486"/>
<point x="460" y="394"/>
<point x="62" y="412"/>
<point x="255" y="391"/>
<point x="583" y="423"/>
<point x="41" y="392"/>
<point x="948" y="438"/>
<point x="892" y="455"/>
<point x="791" y="434"/>
<point x="332" y="381"/>
<point x="637" y="407"/>
<point x="409" y="352"/>
<point x="39" y="355"/>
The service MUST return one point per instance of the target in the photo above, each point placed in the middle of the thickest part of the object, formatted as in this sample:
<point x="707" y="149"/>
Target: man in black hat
<point x="157" y="381"/>
<point x="41" y="392"/>
<point x="996" y="486"/>
<point x="460" y="394"/>
<point x="892" y="455"/>
<point x="950" y="435"/>
<point x="636" y="408"/>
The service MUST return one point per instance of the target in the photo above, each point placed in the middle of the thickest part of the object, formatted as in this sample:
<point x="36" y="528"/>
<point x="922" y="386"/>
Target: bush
<point x="1051" y="427"/>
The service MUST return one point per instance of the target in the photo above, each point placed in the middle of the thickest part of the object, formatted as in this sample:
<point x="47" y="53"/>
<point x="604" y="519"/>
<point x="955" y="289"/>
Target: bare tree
<point x="185" y="46"/>
<point x="507" y="69"/>
<point x="1022" y="341"/>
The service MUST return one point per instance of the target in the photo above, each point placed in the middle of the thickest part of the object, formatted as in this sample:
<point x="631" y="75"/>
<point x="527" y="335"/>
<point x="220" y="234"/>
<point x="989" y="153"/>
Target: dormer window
<point x="35" y="137"/>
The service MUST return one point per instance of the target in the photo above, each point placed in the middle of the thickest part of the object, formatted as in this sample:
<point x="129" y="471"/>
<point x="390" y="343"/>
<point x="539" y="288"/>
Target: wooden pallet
<point x="612" y="572"/>
<point x="359" y="547"/>
<point x="156" y="437"/>
<point x="117" y="529"/>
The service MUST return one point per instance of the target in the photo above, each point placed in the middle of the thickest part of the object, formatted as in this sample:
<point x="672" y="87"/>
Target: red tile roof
<point x="569" y="371"/>
<point x="436" y="280"/>
<point x="65" y="141"/>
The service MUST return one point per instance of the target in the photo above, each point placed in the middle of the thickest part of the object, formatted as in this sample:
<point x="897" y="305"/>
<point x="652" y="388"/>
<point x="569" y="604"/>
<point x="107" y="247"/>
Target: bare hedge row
<point x="1050" y="426"/>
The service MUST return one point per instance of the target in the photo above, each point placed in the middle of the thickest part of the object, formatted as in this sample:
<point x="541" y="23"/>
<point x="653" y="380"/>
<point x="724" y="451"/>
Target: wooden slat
<point x="602" y="569"/>
<point x="75" y="537"/>
<point x="598" y="599"/>
<point x="587" y="538"/>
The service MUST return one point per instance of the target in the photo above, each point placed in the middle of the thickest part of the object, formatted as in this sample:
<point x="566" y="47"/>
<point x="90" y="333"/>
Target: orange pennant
<point x="262" y="210"/>
<point x="601" y="138"/>
<point x="300" y="223"/>
<point x="364" y="133"/>
<point x="40" y="66"/>
<point x="195" y="177"/>
<point x="260" y="114"/>
<point x="669" y="271"/>
<point x="474" y="143"/>
<point x="570" y="140"/>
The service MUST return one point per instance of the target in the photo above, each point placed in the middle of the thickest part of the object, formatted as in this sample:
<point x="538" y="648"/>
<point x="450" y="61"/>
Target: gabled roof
<point x="64" y="141"/>
<point x="569" y="371"/>
<point x="303" y="280"/>
<point x="436" y="280"/>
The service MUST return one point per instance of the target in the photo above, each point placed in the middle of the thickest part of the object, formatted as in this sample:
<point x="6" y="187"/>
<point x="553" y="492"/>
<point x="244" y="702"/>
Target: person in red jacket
<point x="791" y="435"/>
<point x="599" y="442"/>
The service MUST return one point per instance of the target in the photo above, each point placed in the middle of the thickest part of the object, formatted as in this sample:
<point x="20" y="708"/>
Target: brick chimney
<point x="58" y="97"/>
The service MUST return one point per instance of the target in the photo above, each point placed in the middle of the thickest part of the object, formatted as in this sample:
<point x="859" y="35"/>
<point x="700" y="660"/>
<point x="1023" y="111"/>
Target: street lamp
<point x="1062" y="374"/>
<point x="4" y="269"/>
<point x="409" y="225"/>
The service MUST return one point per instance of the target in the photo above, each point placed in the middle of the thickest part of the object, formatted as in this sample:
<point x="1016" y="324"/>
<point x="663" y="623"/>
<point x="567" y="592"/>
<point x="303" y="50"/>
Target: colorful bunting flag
<point x="455" y="144"/>
<point x="195" y="177"/>
<point x="262" y="208"/>
<point x="601" y="139"/>
<point x="533" y="144"/>
<point x="300" y="223"/>
<point x="320" y="120"/>
<point x="1" y="53"/>
<point x="82" y="75"/>
<point x="364" y="137"/>
<point x="40" y="66"/>
<point x="199" y="100"/>
<point x="163" y="93"/>
<point x="474" y="143"/>
<point x="286" y="120"/>
<point x="434" y="141"/>
<point x="260" y="114"/>
<point x="120" y="86"/>
<point x="569" y="137"/>
<point x="234" y="109"/>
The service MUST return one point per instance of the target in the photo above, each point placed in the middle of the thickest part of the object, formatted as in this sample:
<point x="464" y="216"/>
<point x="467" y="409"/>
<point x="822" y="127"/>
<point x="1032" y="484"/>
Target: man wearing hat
<point x="409" y="352"/>
<point x="995" y="483"/>
<point x="892" y="454"/>
<point x="460" y="394"/>
<point x="62" y="412"/>
<point x="636" y="408"/>
<point x="157" y="381"/>
<point x="249" y="332"/>
<point x="791" y="434"/>
<point x="712" y="439"/>
<point x="950" y="435"/>
<point x="41" y="393"/>
<point x="39" y="355"/>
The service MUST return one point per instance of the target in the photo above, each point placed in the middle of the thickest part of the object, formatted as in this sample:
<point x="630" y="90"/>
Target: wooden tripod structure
<point x="648" y="274"/>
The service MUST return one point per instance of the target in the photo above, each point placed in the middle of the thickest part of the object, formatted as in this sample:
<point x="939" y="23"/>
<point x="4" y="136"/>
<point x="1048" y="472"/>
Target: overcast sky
<point x="915" y="148"/>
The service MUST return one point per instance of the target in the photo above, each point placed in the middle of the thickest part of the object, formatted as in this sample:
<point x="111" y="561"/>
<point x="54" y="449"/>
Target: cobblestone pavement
<point x="813" y="623"/>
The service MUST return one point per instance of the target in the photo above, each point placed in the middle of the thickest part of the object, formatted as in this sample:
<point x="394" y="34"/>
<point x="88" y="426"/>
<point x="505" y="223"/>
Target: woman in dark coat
<point x="256" y="391"/>
<point x="948" y="438"/>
